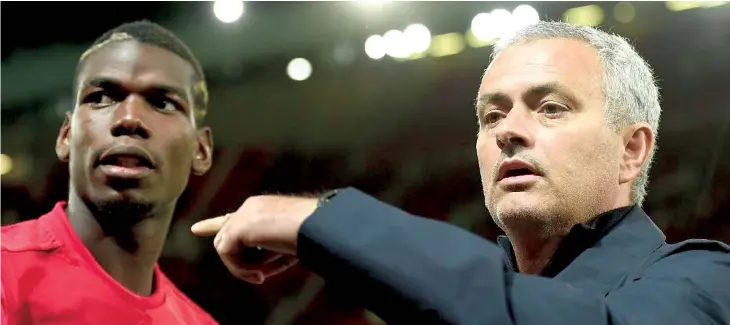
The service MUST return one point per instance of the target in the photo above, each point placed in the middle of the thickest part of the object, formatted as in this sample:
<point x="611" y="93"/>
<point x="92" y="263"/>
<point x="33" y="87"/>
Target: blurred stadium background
<point x="379" y="95"/>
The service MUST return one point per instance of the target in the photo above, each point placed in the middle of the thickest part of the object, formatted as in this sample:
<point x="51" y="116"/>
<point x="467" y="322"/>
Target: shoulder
<point x="694" y="250"/>
<point x="31" y="235"/>
<point x="699" y="263"/>
<point x="699" y="253"/>
<point x="26" y="246"/>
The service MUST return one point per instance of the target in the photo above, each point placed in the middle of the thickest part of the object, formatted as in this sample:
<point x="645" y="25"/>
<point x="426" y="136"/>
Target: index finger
<point x="208" y="227"/>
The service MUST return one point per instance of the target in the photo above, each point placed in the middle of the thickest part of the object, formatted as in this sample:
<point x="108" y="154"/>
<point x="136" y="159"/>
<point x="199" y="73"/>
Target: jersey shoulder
<point x="26" y="236"/>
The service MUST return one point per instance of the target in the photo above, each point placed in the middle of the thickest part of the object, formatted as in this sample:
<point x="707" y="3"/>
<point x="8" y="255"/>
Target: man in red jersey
<point x="132" y="141"/>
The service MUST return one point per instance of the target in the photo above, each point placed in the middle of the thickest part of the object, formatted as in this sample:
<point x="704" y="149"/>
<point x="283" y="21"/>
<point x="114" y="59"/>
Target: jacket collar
<point x="600" y="252"/>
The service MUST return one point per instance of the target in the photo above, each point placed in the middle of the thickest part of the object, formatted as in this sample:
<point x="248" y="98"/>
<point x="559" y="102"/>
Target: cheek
<point x="182" y="150"/>
<point x="581" y="156"/>
<point x="487" y="155"/>
<point x="607" y="164"/>
<point x="84" y="131"/>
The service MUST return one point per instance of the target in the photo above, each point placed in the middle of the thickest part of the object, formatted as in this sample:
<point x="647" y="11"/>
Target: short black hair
<point x="145" y="31"/>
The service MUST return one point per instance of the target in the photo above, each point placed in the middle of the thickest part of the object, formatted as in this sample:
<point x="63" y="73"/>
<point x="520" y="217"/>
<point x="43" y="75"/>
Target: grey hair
<point x="629" y="85"/>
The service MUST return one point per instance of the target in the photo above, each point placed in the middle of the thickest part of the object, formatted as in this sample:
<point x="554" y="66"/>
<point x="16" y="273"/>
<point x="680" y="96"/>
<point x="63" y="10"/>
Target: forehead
<point x="572" y="64"/>
<point x="135" y="63"/>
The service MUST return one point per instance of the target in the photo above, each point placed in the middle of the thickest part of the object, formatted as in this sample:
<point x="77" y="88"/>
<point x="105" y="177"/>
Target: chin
<point x="122" y="196"/>
<point x="108" y="203"/>
<point x="514" y="210"/>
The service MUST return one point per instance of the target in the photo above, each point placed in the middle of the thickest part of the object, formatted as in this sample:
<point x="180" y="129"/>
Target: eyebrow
<point x="533" y="92"/>
<point x="108" y="83"/>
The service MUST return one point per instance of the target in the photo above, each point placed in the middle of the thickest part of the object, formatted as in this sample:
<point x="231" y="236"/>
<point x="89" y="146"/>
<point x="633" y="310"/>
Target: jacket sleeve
<point x="412" y="270"/>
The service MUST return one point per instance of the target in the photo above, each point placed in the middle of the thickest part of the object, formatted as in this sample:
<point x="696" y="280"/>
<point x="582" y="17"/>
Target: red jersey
<point x="50" y="277"/>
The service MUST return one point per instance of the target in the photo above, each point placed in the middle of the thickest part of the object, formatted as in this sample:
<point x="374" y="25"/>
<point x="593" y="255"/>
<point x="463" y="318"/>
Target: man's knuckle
<point x="254" y="199"/>
<point x="249" y="239"/>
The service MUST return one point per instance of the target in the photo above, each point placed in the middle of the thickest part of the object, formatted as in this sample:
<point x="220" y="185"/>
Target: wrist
<point x="325" y="198"/>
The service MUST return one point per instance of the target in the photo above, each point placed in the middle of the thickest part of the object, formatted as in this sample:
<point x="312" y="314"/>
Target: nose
<point x="129" y="118"/>
<point x="515" y="130"/>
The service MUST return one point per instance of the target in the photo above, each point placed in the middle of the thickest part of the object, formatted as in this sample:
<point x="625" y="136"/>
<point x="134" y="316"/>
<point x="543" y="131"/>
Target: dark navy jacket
<point x="615" y="270"/>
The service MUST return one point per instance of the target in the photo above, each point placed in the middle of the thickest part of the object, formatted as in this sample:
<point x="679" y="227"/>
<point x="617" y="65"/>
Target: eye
<point x="553" y="110"/>
<point x="98" y="99"/>
<point x="492" y="117"/>
<point x="164" y="104"/>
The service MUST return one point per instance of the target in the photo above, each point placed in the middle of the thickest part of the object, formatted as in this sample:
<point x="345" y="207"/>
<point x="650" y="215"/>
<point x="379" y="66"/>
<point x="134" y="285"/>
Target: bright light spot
<point x="375" y="47"/>
<point x="474" y="41"/>
<point x="710" y="4"/>
<point x="686" y="5"/>
<point x="447" y="44"/>
<point x="299" y="69"/>
<point x="500" y="23"/>
<point x="417" y="55"/>
<point x="371" y="2"/>
<point x="591" y="15"/>
<point x="503" y="22"/>
<point x="395" y="44"/>
<point x="417" y="37"/>
<point x="483" y="27"/>
<point x="6" y="164"/>
<point x="624" y="12"/>
<point x="228" y="11"/>
<point x="682" y="5"/>
<point x="525" y="15"/>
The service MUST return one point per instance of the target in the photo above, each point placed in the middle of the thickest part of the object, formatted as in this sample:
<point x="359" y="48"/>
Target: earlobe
<point x="638" y="144"/>
<point x="203" y="156"/>
<point x="63" y="149"/>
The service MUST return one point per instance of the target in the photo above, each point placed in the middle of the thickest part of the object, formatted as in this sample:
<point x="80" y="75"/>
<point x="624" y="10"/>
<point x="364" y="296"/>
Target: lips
<point x="515" y="168"/>
<point x="126" y="160"/>
<point x="124" y="166"/>
<point x="126" y="157"/>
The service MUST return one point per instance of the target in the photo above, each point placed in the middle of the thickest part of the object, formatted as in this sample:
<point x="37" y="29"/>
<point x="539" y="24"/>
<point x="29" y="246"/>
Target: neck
<point x="535" y="243"/>
<point x="534" y="240"/>
<point x="534" y="254"/>
<point x="127" y="255"/>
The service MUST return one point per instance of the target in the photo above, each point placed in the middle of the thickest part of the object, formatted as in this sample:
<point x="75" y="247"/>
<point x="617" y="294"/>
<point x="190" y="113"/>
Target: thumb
<point x="208" y="227"/>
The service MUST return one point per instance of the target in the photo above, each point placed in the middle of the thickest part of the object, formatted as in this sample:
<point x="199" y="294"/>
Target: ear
<point x="203" y="155"/>
<point x="638" y="140"/>
<point x="63" y="149"/>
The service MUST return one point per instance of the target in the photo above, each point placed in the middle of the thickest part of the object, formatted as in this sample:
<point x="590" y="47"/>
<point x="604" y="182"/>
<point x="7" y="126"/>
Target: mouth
<point x="515" y="169"/>
<point x="125" y="162"/>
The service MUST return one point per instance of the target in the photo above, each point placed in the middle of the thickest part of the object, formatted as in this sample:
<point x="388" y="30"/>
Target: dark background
<point x="401" y="131"/>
